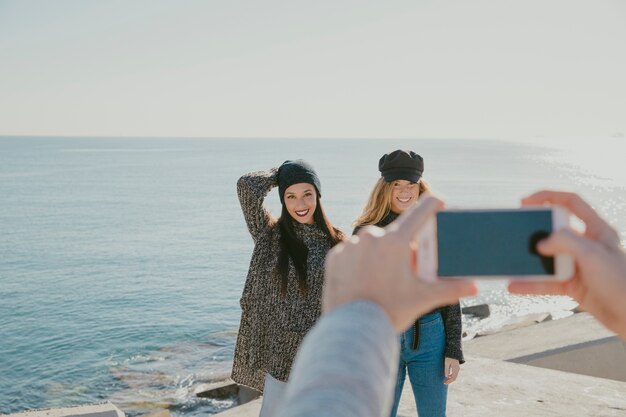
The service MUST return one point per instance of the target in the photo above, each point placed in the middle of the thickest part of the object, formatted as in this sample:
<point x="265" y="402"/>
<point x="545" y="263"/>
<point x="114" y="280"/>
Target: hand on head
<point x="379" y="265"/>
<point x="599" y="283"/>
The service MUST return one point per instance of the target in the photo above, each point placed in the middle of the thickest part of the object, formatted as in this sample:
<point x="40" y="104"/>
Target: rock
<point x="468" y="335"/>
<point x="481" y="310"/>
<point x="227" y="389"/>
<point x="218" y="390"/>
<point x="162" y="413"/>
<point x="247" y="394"/>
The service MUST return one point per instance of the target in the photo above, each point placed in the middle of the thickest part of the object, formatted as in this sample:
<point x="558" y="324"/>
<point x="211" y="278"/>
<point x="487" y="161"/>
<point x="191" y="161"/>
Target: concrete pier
<point x="105" y="409"/>
<point x="568" y="367"/>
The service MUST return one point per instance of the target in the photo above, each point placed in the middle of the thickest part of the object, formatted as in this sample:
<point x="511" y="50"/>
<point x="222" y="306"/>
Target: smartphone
<point x="493" y="244"/>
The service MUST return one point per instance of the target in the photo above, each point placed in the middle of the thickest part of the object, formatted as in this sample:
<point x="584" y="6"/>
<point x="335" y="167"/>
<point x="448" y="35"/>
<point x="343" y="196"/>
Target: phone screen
<point x="498" y="242"/>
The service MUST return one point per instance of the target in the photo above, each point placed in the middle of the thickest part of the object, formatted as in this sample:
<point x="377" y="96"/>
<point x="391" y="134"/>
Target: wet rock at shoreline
<point x="227" y="389"/>
<point x="481" y="311"/>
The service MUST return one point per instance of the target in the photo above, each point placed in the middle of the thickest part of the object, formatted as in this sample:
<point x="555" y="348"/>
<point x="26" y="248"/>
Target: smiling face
<point x="301" y="202"/>
<point x="403" y="195"/>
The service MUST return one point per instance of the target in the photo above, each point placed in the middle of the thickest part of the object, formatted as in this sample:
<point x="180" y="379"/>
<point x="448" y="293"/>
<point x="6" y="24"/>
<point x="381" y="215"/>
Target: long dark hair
<point x="292" y="247"/>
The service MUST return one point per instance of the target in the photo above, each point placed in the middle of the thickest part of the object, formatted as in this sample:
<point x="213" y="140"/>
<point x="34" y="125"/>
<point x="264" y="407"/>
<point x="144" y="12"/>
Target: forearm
<point x="346" y="365"/>
<point x="454" y="331"/>
<point x="251" y="190"/>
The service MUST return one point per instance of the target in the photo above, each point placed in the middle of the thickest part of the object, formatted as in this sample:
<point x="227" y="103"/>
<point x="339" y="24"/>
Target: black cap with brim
<point x="401" y="174"/>
<point x="401" y="165"/>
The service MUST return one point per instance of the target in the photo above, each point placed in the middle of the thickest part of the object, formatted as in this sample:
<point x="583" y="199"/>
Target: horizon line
<point x="507" y="138"/>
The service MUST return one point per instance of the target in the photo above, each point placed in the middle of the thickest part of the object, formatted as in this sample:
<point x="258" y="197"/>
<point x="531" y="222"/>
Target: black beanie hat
<point x="401" y="165"/>
<point x="294" y="172"/>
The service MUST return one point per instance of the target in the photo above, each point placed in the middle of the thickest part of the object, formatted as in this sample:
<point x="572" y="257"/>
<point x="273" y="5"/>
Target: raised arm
<point x="252" y="189"/>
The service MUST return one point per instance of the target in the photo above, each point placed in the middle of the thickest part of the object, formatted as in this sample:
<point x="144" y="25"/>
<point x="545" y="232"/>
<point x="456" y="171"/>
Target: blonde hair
<point x="378" y="204"/>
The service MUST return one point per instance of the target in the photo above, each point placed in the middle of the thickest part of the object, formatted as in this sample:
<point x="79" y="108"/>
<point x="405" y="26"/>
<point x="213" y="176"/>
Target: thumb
<point x="430" y="295"/>
<point x="566" y="241"/>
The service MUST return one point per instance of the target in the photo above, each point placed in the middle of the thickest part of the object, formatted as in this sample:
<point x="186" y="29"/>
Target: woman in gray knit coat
<point x="282" y="295"/>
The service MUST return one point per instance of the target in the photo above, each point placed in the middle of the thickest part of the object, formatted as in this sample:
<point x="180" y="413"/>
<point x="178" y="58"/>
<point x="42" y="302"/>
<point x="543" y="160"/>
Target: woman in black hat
<point x="282" y="295"/>
<point x="430" y="350"/>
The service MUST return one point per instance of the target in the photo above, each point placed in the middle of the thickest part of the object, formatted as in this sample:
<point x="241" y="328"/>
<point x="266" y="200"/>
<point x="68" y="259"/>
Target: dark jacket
<point x="451" y="314"/>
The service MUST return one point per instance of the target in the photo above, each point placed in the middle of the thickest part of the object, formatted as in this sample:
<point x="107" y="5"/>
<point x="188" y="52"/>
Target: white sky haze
<point x="342" y="68"/>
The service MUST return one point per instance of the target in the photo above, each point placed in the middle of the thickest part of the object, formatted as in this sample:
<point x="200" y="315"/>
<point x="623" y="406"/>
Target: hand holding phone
<point x="493" y="244"/>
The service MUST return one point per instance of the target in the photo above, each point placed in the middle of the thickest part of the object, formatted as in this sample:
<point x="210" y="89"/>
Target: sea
<point x="122" y="260"/>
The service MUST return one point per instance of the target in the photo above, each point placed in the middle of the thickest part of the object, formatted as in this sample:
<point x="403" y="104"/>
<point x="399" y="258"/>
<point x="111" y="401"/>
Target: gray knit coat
<point x="273" y="326"/>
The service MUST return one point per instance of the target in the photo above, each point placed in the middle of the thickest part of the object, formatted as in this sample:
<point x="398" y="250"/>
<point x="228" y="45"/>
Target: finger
<point x="539" y="287"/>
<point x="414" y="259"/>
<point x="450" y="292"/>
<point x="573" y="202"/>
<point x="335" y="251"/>
<point x="441" y="293"/>
<point x="368" y="230"/>
<point x="566" y="241"/>
<point x="596" y="226"/>
<point x="450" y="378"/>
<point x="353" y="239"/>
<point x="412" y="220"/>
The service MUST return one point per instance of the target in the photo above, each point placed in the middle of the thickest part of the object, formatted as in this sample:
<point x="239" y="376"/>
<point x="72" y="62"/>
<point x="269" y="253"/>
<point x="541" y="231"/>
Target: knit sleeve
<point x="454" y="331"/>
<point x="252" y="189"/>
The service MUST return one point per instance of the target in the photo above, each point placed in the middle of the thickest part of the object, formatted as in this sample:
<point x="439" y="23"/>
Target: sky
<point x="313" y="69"/>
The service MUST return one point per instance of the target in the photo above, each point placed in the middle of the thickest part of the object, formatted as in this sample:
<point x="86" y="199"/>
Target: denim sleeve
<point x="346" y="365"/>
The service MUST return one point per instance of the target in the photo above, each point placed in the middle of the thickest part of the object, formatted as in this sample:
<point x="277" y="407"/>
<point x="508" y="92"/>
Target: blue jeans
<point x="425" y="366"/>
